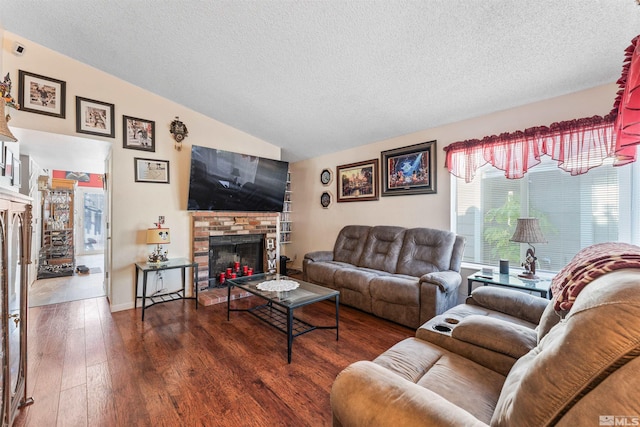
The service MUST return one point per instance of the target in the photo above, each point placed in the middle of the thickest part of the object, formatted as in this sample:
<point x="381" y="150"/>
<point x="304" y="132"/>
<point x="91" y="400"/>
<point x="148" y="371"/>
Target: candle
<point x="236" y="266"/>
<point x="228" y="272"/>
<point x="250" y="272"/>
<point x="234" y="275"/>
<point x="245" y="269"/>
<point x="222" y="278"/>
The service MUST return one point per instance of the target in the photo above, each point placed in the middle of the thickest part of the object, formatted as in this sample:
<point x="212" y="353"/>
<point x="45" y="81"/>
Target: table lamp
<point x="158" y="236"/>
<point x="528" y="231"/>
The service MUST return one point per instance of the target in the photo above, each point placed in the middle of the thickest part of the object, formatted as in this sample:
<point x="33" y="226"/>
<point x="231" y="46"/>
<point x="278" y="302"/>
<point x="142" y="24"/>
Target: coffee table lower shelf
<point x="277" y="318"/>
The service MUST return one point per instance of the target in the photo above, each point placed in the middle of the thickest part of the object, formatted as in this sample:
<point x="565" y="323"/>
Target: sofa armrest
<point x="496" y="335"/>
<point x="509" y="301"/>
<point x="447" y="280"/>
<point x="319" y="256"/>
<point x="367" y="394"/>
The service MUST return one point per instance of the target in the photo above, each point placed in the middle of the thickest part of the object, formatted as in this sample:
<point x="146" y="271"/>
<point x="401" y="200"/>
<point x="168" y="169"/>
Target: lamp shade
<point x="528" y="231"/>
<point x="5" y="132"/>
<point x="158" y="236"/>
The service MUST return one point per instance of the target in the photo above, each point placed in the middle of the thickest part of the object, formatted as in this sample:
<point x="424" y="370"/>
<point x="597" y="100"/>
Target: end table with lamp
<point x="165" y="295"/>
<point x="158" y="262"/>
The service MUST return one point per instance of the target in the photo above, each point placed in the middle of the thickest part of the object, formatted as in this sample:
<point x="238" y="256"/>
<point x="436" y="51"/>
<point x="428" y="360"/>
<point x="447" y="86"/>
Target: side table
<point x="541" y="286"/>
<point x="146" y="267"/>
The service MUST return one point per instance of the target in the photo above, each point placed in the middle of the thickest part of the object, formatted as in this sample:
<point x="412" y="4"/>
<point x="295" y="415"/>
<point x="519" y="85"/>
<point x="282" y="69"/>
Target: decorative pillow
<point x="589" y="264"/>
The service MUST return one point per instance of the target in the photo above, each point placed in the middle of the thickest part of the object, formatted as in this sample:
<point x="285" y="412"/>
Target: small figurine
<point x="5" y="90"/>
<point x="179" y="131"/>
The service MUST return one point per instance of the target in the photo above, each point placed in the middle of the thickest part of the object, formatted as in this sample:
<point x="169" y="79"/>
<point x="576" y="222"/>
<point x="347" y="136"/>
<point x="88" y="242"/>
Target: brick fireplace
<point x="209" y="224"/>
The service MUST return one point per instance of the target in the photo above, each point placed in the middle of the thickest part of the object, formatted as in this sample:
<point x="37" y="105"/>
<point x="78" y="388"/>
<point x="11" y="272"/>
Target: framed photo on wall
<point x="94" y="117"/>
<point x="151" y="170"/>
<point x="409" y="170"/>
<point x="358" y="182"/>
<point x="41" y="95"/>
<point x="138" y="134"/>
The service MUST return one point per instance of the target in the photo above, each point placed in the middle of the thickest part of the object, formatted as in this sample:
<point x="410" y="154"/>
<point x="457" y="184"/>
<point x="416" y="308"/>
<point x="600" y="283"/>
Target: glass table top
<point x="306" y="293"/>
<point x="512" y="280"/>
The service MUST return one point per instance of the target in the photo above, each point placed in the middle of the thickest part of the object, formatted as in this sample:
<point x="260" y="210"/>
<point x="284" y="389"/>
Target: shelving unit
<point x="57" y="253"/>
<point x="285" y="216"/>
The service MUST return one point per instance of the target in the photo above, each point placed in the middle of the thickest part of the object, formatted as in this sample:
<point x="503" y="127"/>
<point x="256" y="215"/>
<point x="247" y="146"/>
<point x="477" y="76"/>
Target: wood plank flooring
<point x="89" y="367"/>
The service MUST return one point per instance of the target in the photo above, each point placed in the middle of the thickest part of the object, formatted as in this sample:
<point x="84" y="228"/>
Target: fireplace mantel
<point x="207" y="224"/>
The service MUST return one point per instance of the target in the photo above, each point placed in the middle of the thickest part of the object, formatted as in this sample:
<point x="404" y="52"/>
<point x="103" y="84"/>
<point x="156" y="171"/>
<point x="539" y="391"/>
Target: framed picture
<point x="409" y="170"/>
<point x="151" y="170"/>
<point x="41" y="95"/>
<point x="138" y="134"/>
<point x="358" y="182"/>
<point x="94" y="117"/>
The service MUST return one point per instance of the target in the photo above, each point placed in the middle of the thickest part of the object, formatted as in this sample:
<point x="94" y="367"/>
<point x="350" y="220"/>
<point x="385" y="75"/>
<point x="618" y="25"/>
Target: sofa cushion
<point x="353" y="283"/>
<point x="366" y="394"/>
<point x="323" y="272"/>
<point x="397" y="298"/>
<point x="447" y="374"/>
<point x="382" y="248"/>
<point x="497" y="335"/>
<point x="396" y="289"/>
<point x="349" y="243"/>
<point x="425" y="250"/>
<point x="511" y="302"/>
<point x="461" y="311"/>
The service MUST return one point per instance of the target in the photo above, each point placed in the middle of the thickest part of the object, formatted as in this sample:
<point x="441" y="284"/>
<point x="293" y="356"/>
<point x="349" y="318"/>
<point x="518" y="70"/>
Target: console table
<point x="149" y="300"/>
<point x="541" y="286"/>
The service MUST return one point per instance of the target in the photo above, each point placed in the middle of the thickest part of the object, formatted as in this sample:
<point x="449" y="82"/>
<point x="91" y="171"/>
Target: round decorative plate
<point x="325" y="176"/>
<point x="278" y="285"/>
<point x="325" y="199"/>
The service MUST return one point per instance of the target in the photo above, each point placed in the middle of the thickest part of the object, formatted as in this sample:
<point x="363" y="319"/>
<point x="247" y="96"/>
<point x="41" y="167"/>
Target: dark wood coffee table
<point x="279" y="306"/>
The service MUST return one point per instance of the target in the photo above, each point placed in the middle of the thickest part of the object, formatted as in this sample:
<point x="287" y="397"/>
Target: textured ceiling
<point x="315" y="77"/>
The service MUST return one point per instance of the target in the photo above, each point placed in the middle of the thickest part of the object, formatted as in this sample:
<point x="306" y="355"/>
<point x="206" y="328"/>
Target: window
<point x="573" y="211"/>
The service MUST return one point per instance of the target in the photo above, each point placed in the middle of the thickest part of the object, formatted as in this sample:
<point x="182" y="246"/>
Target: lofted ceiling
<point x="315" y="77"/>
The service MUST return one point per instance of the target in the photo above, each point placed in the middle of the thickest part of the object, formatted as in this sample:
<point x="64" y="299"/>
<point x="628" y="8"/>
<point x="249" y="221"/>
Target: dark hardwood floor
<point x="89" y="367"/>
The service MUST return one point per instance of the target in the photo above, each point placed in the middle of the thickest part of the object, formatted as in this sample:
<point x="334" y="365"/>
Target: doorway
<point x="87" y="280"/>
<point x="51" y="152"/>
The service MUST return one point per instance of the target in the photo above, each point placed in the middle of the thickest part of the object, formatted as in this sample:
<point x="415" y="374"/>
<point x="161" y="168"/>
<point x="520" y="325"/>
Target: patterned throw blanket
<point x="589" y="264"/>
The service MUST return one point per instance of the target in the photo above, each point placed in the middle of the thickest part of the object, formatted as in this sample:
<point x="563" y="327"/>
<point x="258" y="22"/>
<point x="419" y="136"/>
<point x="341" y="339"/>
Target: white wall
<point x="135" y="205"/>
<point x="315" y="228"/>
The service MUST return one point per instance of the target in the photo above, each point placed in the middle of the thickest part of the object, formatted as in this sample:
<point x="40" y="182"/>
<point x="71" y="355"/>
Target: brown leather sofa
<point x="582" y="370"/>
<point x="403" y="275"/>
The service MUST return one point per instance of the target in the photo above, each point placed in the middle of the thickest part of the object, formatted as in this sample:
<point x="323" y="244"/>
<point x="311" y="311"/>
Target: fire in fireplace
<point x="234" y="254"/>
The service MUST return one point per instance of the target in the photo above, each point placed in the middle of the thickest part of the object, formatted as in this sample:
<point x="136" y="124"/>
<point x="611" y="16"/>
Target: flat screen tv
<point x="226" y="181"/>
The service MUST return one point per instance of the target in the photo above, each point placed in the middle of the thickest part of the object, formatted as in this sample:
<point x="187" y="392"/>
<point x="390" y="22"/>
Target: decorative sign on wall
<point x="270" y="245"/>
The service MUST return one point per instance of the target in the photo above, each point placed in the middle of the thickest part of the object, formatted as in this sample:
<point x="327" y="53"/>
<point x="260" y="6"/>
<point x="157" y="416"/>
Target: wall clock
<point x="325" y="199"/>
<point x="325" y="176"/>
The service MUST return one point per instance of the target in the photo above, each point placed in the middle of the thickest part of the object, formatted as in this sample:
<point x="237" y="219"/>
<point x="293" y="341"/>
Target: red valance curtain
<point x="627" y="103"/>
<point x="577" y="145"/>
